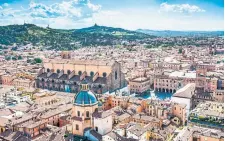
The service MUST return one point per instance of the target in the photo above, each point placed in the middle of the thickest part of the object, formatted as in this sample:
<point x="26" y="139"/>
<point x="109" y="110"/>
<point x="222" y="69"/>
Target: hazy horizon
<point x="123" y="28"/>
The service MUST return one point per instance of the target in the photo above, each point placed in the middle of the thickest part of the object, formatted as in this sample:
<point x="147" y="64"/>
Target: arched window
<point x="116" y="75"/>
<point x="96" y="129"/>
<point x="104" y="74"/>
<point x="48" y="70"/>
<point x="58" y="71"/>
<point x="91" y="73"/>
<point x="87" y="114"/>
<point x="42" y="80"/>
<point x="80" y="72"/>
<point x="68" y="71"/>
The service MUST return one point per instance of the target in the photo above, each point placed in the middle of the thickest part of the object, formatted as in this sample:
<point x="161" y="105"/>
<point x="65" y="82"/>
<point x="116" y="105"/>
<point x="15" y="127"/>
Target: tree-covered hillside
<point x="66" y="39"/>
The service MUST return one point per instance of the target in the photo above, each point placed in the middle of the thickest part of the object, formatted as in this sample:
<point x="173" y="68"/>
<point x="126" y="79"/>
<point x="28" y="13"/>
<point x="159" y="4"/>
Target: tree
<point x="20" y="57"/>
<point x="14" y="58"/>
<point x="14" y="48"/>
<point x="37" y="60"/>
<point x="180" y="50"/>
<point x="8" y="58"/>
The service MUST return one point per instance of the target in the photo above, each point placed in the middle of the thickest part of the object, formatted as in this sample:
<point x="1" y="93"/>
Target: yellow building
<point x="85" y="104"/>
<point x="66" y="75"/>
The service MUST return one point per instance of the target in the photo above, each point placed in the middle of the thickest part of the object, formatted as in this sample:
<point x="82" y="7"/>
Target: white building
<point x="184" y="96"/>
<point x="137" y="132"/>
<point x="103" y="122"/>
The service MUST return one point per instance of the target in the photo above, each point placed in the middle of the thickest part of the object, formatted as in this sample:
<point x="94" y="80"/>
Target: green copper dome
<point x="85" y="98"/>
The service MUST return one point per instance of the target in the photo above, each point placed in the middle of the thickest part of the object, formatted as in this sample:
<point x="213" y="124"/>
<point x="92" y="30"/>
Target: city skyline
<point x="146" y="14"/>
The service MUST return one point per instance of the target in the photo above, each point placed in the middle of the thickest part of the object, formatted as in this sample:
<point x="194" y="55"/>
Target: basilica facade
<point x="66" y="75"/>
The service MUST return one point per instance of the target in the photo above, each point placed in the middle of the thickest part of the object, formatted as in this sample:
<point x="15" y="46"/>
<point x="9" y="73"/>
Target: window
<point x="135" y="64"/>
<point x="179" y="85"/>
<point x="78" y="113"/>
<point x="116" y="75"/>
<point x="104" y="74"/>
<point x="91" y="73"/>
<point x="80" y="72"/>
<point x="99" y="86"/>
<point x="68" y="71"/>
<point x="53" y="81"/>
<point x="58" y="71"/>
<point x="48" y="70"/>
<point x="96" y="129"/>
<point x="87" y="113"/>
<point x="77" y="127"/>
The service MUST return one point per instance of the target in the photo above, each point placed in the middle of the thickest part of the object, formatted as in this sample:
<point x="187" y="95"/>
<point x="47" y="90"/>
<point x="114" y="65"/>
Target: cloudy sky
<point x="128" y="14"/>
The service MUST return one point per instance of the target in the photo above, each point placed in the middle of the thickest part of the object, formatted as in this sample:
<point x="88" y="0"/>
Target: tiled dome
<point x="85" y="98"/>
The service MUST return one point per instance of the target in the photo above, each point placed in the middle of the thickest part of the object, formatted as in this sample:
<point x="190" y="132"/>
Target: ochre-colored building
<point x="139" y="85"/>
<point x="66" y="75"/>
<point x="85" y="104"/>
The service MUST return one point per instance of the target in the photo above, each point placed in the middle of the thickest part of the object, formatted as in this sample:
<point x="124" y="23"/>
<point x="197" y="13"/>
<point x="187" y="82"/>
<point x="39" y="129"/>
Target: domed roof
<point x="85" y="98"/>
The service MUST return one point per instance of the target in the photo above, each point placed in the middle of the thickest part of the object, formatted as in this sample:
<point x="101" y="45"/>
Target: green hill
<point x="66" y="39"/>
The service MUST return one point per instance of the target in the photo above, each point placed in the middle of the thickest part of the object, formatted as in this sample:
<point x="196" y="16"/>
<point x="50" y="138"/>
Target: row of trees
<point x="32" y="61"/>
<point x="13" y="57"/>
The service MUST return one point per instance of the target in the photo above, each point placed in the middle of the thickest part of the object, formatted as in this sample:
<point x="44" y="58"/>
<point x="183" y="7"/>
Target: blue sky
<point x="128" y="14"/>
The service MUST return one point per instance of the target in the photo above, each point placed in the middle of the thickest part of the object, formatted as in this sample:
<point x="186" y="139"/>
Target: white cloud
<point x="5" y="5"/>
<point x="180" y="8"/>
<point x="66" y="8"/>
<point x="93" y="6"/>
<point x="149" y="19"/>
<point x="74" y="14"/>
<point x="65" y="14"/>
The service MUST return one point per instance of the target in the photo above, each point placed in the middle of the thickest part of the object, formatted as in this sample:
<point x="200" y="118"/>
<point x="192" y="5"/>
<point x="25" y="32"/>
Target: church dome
<point x="85" y="98"/>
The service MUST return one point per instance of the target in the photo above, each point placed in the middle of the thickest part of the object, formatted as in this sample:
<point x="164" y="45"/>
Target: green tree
<point x="14" y="48"/>
<point x="37" y="60"/>
<point x="180" y="50"/>
<point x="8" y="58"/>
<point x="14" y="58"/>
<point x="20" y="57"/>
